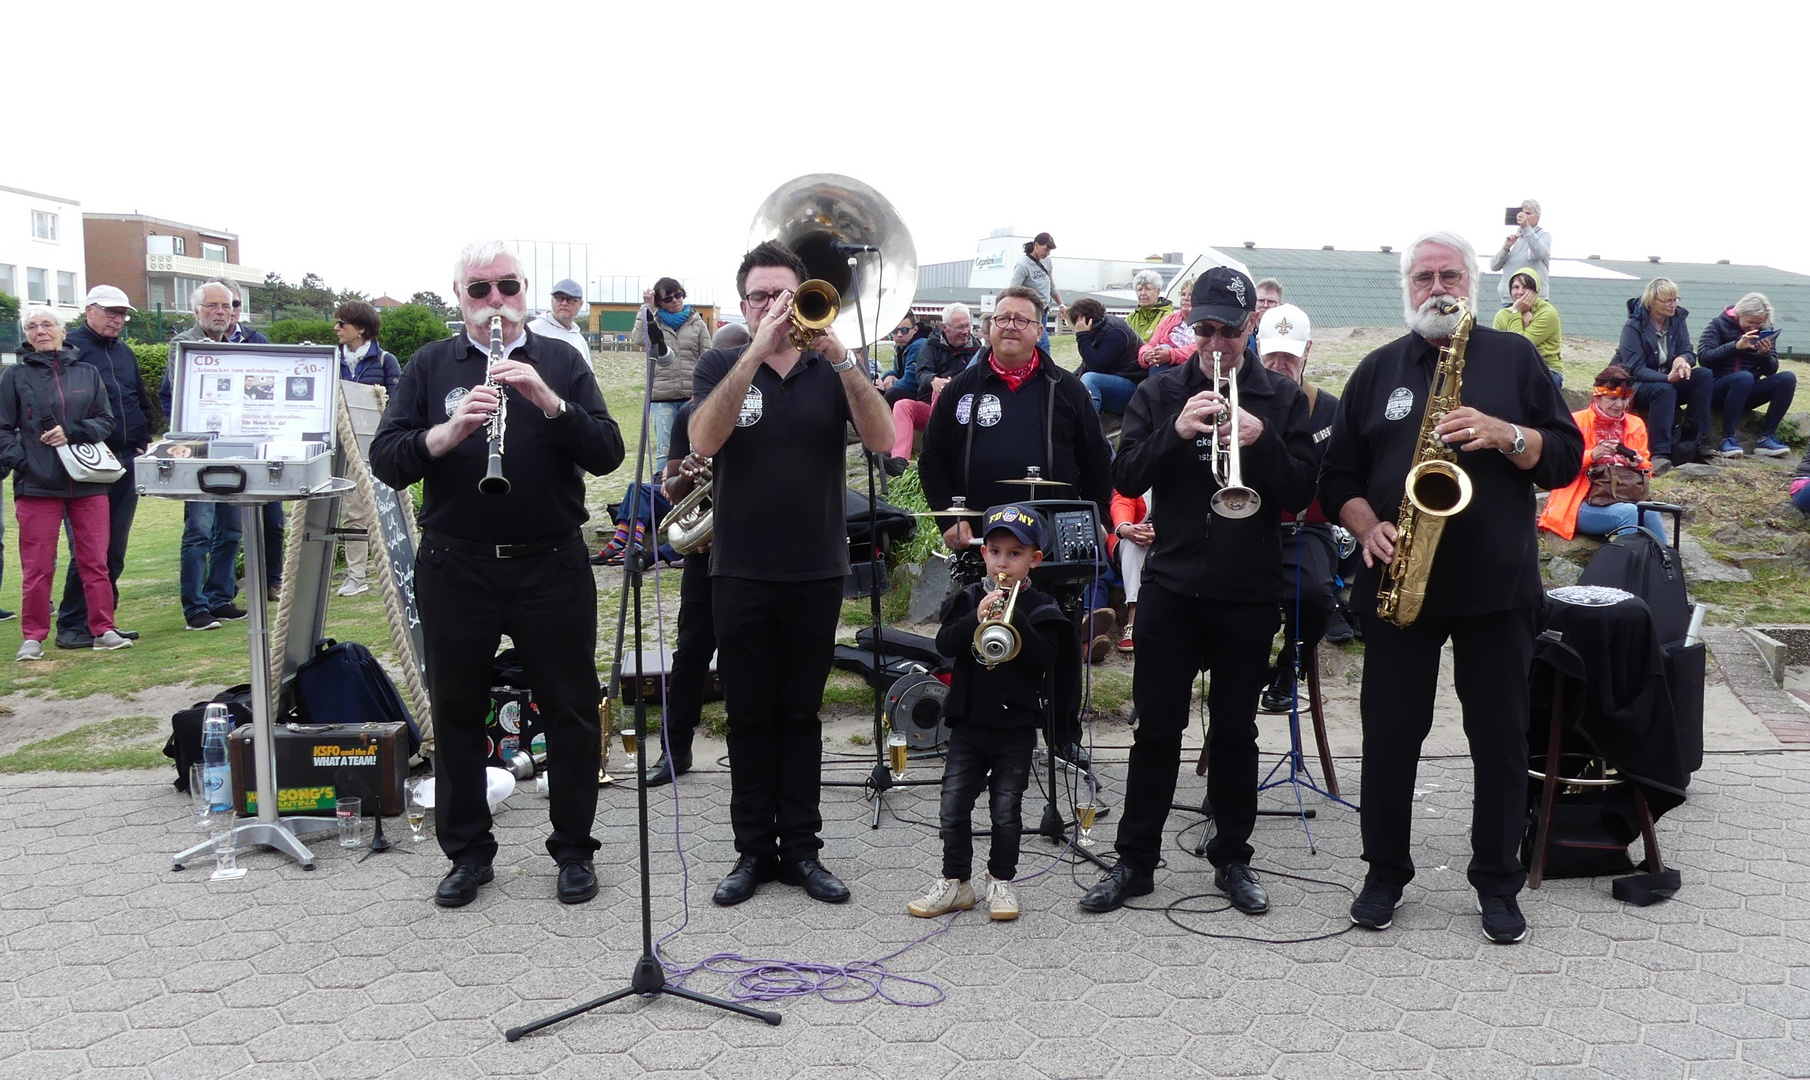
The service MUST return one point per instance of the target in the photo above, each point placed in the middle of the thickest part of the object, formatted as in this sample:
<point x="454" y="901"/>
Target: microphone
<point x="657" y="349"/>
<point x="852" y="249"/>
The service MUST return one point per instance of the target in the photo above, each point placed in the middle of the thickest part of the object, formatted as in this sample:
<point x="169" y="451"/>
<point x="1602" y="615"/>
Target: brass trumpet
<point x="1233" y="499"/>
<point x="996" y="640"/>
<point x="815" y="306"/>
<point x="689" y="525"/>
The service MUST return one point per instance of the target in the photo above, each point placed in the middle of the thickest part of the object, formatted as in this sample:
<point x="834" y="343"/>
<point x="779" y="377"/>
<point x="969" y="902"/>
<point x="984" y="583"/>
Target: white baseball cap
<point x="107" y="296"/>
<point x="1284" y="328"/>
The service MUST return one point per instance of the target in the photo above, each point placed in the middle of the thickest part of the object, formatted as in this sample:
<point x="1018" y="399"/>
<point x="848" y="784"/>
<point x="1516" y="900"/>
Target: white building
<point x="41" y="250"/>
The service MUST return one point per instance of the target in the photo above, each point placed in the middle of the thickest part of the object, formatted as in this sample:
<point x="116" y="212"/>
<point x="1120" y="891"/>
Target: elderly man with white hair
<point x="1529" y="247"/>
<point x="513" y="563"/>
<point x="942" y="355"/>
<point x="1512" y="435"/>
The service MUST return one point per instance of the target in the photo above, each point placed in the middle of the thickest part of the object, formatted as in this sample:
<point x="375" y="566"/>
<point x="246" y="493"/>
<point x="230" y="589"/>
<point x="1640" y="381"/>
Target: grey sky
<point x="376" y="138"/>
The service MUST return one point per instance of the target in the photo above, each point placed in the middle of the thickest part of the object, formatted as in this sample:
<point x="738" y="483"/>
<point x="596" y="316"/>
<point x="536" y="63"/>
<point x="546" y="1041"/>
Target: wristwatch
<point x="1520" y="444"/>
<point x="848" y="361"/>
<point x="556" y="413"/>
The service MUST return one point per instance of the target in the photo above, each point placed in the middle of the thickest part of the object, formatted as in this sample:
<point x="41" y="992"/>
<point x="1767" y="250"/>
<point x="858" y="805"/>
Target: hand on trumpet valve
<point x="694" y="465"/>
<point x="1198" y="413"/>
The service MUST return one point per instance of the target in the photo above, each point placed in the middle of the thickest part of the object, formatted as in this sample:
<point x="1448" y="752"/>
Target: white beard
<point x="1431" y="323"/>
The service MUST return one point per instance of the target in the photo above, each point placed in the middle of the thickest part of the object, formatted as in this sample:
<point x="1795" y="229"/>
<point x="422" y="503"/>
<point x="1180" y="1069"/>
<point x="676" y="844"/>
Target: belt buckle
<point x="502" y="552"/>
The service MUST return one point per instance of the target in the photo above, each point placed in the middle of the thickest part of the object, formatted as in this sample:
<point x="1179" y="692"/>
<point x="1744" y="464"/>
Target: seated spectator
<point x="1172" y="340"/>
<point x="1152" y="307"/>
<point x="1132" y="534"/>
<point x="1655" y="350"/>
<point x="1534" y="318"/>
<point x="1746" y="370"/>
<point x="899" y="383"/>
<point x="1109" y="355"/>
<point x="1612" y="435"/>
<point x="1800" y="485"/>
<point x="936" y="359"/>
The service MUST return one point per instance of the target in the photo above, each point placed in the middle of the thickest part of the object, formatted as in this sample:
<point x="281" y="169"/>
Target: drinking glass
<point x="226" y="855"/>
<point x="351" y="826"/>
<point x="896" y="752"/>
<point x="417" y="813"/>
<point x="631" y="745"/>
<point x="1084" y="816"/>
<point x="198" y="794"/>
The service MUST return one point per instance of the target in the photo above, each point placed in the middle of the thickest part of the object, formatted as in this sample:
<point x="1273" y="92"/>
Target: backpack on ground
<point x="184" y="744"/>
<point x="342" y="683"/>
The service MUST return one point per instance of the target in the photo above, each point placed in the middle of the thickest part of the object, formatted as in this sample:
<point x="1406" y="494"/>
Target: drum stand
<point x="649" y="977"/>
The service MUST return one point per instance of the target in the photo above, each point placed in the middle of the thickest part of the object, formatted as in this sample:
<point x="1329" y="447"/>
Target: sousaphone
<point x="812" y="215"/>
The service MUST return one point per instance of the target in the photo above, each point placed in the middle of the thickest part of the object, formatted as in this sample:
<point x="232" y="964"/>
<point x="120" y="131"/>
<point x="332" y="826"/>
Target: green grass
<point x="127" y="742"/>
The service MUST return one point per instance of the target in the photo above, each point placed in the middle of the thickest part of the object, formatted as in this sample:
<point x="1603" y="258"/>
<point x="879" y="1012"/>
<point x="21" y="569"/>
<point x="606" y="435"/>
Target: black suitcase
<point x="184" y="744"/>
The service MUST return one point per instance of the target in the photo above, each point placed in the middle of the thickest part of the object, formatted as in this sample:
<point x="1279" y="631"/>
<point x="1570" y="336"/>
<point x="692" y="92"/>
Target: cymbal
<point x="952" y="512"/>
<point x="1038" y="482"/>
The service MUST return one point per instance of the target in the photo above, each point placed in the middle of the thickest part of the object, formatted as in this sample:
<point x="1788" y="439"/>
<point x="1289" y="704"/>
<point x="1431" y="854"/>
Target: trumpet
<point x="996" y="640"/>
<point x="494" y="482"/>
<point x="689" y="525"/>
<point x="815" y="306"/>
<point x="1233" y="499"/>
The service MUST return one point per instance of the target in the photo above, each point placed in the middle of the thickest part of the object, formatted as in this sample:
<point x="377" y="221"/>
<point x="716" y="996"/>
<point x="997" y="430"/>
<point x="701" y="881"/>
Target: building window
<point x="43" y="224"/>
<point x="179" y="245"/>
<point x="213" y="252"/>
<point x="65" y="287"/>
<point x="36" y="285"/>
<point x="7" y="284"/>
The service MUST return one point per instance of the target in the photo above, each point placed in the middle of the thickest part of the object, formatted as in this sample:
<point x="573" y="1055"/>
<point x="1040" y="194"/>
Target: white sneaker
<point x="946" y="895"/>
<point x="34" y="650"/>
<point x="111" y="640"/>
<point x="353" y="588"/>
<point x="1002" y="906"/>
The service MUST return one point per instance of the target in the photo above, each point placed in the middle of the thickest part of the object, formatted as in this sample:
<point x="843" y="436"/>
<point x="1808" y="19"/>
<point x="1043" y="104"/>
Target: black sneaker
<point x="1502" y="921"/>
<point x="896" y="466"/>
<point x="203" y="621"/>
<point x="75" y="639"/>
<point x="1374" y="908"/>
<point x="1338" y="631"/>
<point x="7" y="616"/>
<point x="228" y="613"/>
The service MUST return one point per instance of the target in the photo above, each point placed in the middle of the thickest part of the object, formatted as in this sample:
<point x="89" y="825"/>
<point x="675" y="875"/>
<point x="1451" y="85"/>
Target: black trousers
<point x="691" y="656"/>
<point x="1309" y="554"/>
<point x="1177" y="636"/>
<point x="547" y="604"/>
<point x="122" y="506"/>
<point x="999" y="760"/>
<point x="1491" y="655"/>
<point x="774" y="644"/>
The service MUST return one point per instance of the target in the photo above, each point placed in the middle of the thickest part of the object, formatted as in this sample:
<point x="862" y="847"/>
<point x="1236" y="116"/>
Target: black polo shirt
<point x="544" y="459"/>
<point x="1488" y="558"/>
<point x="678" y="443"/>
<point x="780" y="481"/>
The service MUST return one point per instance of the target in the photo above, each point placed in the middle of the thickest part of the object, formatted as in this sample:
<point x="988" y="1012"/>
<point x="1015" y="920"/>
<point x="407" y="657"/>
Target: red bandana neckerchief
<point x="1015" y="377"/>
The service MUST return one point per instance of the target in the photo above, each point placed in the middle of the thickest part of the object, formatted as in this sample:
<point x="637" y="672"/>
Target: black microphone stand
<point x="880" y="780"/>
<point x="649" y="978"/>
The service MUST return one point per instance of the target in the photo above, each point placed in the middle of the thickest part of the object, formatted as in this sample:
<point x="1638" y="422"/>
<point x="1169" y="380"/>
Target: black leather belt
<point x="500" y="551"/>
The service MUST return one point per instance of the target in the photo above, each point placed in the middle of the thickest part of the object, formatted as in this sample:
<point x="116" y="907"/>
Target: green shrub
<point x="10" y="335"/>
<point x="296" y="331"/>
<point x="409" y="327"/>
<point x="152" y="359"/>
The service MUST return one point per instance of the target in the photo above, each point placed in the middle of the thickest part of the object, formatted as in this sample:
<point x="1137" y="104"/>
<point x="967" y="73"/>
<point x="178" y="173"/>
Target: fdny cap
<point x="1021" y="521"/>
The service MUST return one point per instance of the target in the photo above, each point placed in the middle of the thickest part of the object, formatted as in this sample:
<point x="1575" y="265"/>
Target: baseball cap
<point x="108" y="296"/>
<point x="1021" y="521"/>
<point x="568" y="287"/>
<point x="1046" y="240"/>
<point x="1284" y="328"/>
<point x="1224" y="295"/>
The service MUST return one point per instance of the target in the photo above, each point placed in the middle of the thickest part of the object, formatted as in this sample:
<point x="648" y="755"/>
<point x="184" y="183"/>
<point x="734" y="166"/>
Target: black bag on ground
<point x="342" y="683"/>
<point x="184" y="744"/>
<point x="1639" y="562"/>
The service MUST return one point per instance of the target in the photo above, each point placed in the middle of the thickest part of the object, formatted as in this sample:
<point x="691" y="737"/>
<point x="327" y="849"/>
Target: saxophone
<point x="494" y="482"/>
<point x="1436" y="487"/>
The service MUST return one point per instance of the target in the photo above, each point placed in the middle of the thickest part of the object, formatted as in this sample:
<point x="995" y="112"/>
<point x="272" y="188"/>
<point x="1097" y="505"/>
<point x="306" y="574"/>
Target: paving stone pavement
<point x="116" y="966"/>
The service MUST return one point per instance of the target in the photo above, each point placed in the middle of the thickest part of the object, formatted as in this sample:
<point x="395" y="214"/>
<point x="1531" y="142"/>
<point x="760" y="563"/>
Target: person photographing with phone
<point x="1740" y="349"/>
<point x="1529" y="247"/>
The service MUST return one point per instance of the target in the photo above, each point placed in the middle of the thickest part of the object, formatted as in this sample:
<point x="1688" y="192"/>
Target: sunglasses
<point x="478" y="290"/>
<point x="1206" y="330"/>
<point x="670" y="297"/>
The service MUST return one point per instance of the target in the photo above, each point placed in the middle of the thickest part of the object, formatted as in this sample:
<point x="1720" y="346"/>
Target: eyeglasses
<point x="1207" y="331"/>
<point x="478" y="290"/>
<point x="1448" y="278"/>
<point x="1013" y="322"/>
<point x="762" y="299"/>
<point x="562" y="298"/>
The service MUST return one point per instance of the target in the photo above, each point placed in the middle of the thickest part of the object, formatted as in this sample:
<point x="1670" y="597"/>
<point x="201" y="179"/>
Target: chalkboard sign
<point x="393" y="534"/>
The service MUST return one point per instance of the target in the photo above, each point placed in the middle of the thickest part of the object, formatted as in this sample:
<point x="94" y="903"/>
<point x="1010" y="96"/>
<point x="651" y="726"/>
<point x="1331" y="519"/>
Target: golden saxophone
<point x="494" y="482"/>
<point x="1436" y="487"/>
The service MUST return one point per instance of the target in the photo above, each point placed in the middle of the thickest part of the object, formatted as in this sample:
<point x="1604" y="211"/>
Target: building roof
<point x="165" y="222"/>
<point x="387" y="301"/>
<point x="41" y="195"/>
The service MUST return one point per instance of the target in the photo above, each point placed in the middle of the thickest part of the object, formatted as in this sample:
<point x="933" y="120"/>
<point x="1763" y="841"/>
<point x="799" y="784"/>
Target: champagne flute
<point x="198" y="798"/>
<point x="631" y="745"/>
<point x="417" y="813"/>
<point x="1084" y="816"/>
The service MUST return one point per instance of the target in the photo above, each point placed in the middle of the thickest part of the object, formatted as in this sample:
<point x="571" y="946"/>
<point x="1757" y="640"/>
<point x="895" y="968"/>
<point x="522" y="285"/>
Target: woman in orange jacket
<point x="1612" y="434"/>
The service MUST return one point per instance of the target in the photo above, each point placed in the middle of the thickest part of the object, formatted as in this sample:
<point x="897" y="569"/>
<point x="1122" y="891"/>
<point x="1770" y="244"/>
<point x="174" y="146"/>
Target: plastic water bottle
<point x="215" y="775"/>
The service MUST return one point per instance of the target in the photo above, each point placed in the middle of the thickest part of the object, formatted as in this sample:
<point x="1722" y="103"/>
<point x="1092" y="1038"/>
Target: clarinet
<point x="494" y="482"/>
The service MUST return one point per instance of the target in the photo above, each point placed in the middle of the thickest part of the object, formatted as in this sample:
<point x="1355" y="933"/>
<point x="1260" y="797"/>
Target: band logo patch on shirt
<point x="1401" y="402"/>
<point x="752" y="408"/>
<point x="453" y="397"/>
<point x="990" y="410"/>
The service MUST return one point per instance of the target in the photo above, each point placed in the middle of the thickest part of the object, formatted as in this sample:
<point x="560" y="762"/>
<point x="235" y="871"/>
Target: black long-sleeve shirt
<point x="1197" y="552"/>
<point x="1011" y="694"/>
<point x="1488" y="558"/>
<point x="544" y="459"/>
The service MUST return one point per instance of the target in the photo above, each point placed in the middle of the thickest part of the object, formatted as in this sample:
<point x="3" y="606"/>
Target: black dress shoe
<point x="1278" y="698"/>
<point x="896" y="466"/>
<point x="129" y="635"/>
<point x="460" y="886"/>
<point x="667" y="768"/>
<point x="739" y="885"/>
<point x="577" y="881"/>
<point x="75" y="639"/>
<point x="816" y="881"/>
<point x="1235" y="880"/>
<point x="1120" y="884"/>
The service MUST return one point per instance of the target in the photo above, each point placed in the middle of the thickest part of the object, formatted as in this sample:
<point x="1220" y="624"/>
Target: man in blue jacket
<point x="97" y="341"/>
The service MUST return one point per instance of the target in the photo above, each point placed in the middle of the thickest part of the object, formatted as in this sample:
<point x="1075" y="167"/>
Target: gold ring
<point x="1473" y="432"/>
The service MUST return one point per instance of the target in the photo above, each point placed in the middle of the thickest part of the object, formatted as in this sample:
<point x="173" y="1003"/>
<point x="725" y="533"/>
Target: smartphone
<point x="1511" y="218"/>
<point x="1767" y="335"/>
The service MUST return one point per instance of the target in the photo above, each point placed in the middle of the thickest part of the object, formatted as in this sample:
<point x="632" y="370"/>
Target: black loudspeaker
<point x="914" y="707"/>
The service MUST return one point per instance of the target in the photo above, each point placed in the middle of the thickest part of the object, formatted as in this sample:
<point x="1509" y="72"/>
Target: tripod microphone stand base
<point x="649" y="980"/>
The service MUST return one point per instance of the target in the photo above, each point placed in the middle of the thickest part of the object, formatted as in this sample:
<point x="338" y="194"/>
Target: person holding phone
<point x="1739" y="347"/>
<point x="1529" y="247"/>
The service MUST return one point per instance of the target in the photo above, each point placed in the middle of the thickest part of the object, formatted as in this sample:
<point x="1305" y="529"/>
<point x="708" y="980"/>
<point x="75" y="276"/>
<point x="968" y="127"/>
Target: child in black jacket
<point x="994" y="710"/>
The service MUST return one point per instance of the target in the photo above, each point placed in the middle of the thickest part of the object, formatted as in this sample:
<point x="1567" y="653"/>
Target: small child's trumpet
<point x="996" y="640"/>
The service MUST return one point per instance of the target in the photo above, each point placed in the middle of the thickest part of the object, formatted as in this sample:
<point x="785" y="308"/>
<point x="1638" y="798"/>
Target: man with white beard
<point x="1511" y="435"/>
